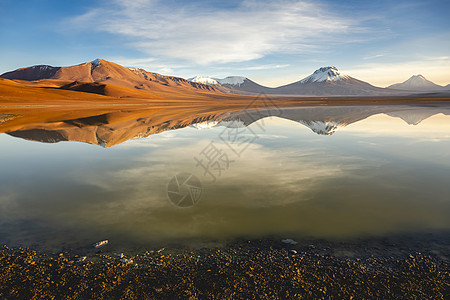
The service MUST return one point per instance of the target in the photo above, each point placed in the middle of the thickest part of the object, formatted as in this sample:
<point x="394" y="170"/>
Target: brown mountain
<point x="108" y="73"/>
<point x="105" y="126"/>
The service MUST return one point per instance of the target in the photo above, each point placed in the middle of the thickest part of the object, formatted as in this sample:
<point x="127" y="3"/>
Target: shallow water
<point x="320" y="172"/>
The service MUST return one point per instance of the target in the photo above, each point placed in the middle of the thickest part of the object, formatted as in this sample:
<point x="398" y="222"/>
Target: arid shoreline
<point x="244" y="269"/>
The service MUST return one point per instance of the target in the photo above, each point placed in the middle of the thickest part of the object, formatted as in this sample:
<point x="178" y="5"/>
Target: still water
<point x="320" y="172"/>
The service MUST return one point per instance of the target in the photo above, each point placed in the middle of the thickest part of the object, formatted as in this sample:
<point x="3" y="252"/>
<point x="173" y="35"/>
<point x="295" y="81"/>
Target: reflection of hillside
<point x="105" y="129"/>
<point x="414" y="117"/>
<point x="326" y="120"/>
<point x="109" y="128"/>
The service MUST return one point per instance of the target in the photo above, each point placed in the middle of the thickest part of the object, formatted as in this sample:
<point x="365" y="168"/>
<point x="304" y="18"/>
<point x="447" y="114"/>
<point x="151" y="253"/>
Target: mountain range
<point x="325" y="81"/>
<point x="110" y="79"/>
<point x="109" y="128"/>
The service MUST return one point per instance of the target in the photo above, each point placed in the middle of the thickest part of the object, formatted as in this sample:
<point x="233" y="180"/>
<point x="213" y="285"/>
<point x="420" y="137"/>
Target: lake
<point x="140" y="178"/>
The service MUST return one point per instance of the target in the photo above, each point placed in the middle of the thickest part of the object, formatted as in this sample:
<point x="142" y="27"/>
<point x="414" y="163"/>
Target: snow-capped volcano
<point x="325" y="74"/>
<point x="204" y="79"/>
<point x="232" y="80"/>
<point x="329" y="81"/>
<point x="232" y="84"/>
<point x="416" y="83"/>
<point x="242" y="85"/>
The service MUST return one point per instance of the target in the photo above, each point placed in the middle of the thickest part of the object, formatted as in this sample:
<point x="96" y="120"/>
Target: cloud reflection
<point x="366" y="179"/>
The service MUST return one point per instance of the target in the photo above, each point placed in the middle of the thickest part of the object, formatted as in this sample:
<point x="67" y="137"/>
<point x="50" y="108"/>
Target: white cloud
<point x="197" y="34"/>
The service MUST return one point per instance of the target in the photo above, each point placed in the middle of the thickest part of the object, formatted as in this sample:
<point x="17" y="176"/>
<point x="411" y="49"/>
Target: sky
<point x="271" y="42"/>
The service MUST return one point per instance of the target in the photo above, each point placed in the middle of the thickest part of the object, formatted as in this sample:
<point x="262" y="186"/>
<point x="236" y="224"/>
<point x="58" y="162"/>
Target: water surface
<point x="320" y="172"/>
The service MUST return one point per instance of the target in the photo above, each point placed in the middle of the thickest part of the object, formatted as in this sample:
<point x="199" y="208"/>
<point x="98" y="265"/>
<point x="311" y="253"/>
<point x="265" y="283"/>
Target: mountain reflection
<point x="111" y="128"/>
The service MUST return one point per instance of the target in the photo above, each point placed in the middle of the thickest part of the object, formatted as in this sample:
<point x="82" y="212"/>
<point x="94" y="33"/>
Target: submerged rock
<point x="289" y="241"/>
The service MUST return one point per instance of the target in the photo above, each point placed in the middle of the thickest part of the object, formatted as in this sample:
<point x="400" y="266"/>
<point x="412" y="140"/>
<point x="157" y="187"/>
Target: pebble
<point x="101" y="244"/>
<point x="126" y="261"/>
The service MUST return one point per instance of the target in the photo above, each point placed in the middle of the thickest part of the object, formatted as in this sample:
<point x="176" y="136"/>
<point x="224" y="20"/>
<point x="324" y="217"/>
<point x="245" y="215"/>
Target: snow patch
<point x="323" y="127"/>
<point x="205" y="125"/>
<point x="232" y="80"/>
<point x="95" y="62"/>
<point x="138" y="71"/>
<point x="204" y="80"/>
<point x="42" y="68"/>
<point x="325" y="74"/>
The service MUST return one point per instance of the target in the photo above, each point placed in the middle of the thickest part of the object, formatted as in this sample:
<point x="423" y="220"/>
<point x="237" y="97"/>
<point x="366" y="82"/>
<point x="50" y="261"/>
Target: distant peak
<point x="330" y="73"/>
<point x="416" y="82"/>
<point x="418" y="76"/>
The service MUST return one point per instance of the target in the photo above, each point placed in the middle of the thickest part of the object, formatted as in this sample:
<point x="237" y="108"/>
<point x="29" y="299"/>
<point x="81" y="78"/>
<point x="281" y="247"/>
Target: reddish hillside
<point x="102" y="71"/>
<point x="106" y="89"/>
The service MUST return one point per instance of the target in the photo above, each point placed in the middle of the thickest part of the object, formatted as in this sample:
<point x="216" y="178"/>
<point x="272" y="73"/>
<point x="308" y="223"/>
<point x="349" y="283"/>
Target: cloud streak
<point x="194" y="33"/>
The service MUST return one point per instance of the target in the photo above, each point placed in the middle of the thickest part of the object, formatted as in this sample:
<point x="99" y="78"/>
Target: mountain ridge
<point x="325" y="81"/>
<point x="111" y="128"/>
<point x="106" y="72"/>
<point x="89" y="77"/>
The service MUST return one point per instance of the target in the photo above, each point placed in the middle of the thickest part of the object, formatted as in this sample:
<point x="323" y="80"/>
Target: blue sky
<point x="271" y="42"/>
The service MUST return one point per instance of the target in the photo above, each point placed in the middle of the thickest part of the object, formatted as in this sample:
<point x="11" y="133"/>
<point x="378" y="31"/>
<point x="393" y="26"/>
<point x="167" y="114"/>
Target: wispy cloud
<point x="198" y="34"/>
<point x="373" y="56"/>
<point x="266" y="67"/>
